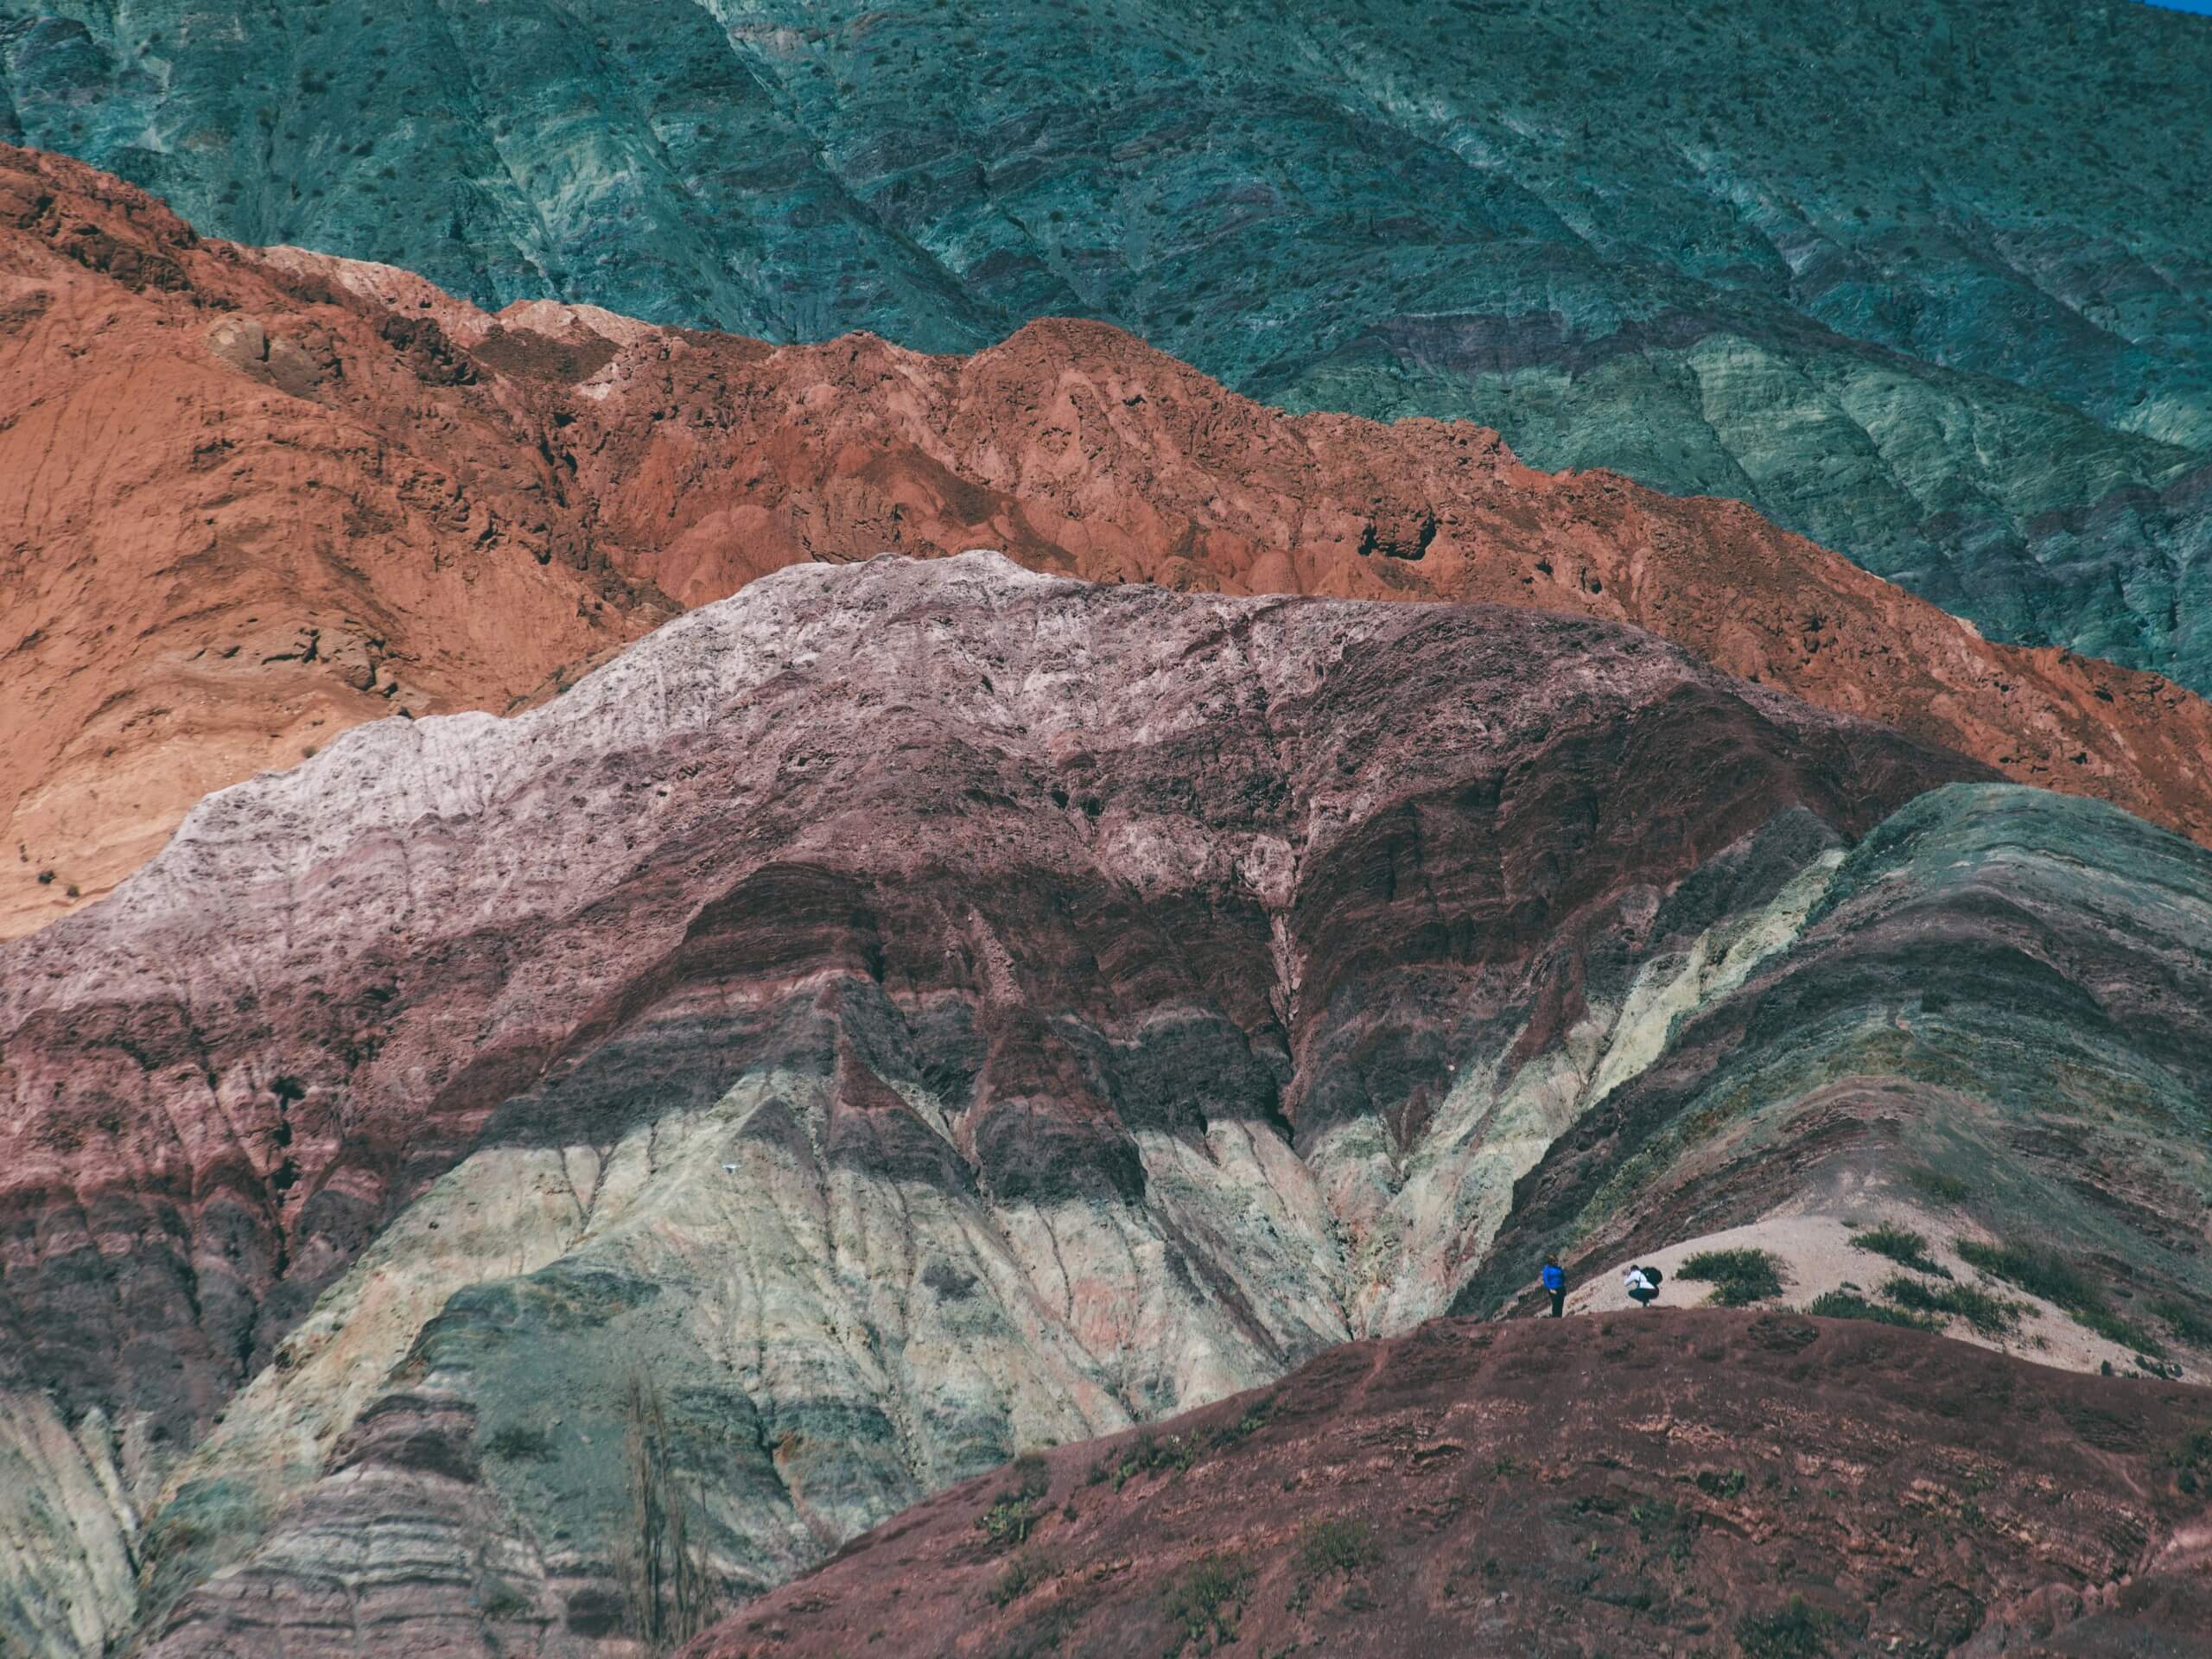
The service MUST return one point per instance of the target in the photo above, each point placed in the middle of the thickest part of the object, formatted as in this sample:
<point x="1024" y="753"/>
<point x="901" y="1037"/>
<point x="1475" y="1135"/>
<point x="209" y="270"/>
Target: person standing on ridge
<point x="1555" y="1283"/>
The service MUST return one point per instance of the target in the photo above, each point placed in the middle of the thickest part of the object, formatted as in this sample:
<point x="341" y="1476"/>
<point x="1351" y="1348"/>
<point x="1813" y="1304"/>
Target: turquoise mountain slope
<point x="1925" y="279"/>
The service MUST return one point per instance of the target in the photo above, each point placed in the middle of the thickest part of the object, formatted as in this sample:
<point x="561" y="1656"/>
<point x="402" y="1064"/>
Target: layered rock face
<point x="242" y="510"/>
<point x="269" y="494"/>
<point x="1702" y="1481"/>
<point x="1930" y="292"/>
<point x="1993" y="1031"/>
<point x="899" y="1014"/>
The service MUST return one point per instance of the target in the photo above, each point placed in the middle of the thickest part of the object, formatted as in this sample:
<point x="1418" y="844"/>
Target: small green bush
<point x="1990" y="1315"/>
<point x="1144" y="1455"/>
<point x="1798" y="1632"/>
<point x="2192" y="1461"/>
<point x="1204" y="1604"/>
<point x="1741" y="1277"/>
<point x="1663" y="1525"/>
<point x="1344" y="1545"/>
<point x="503" y="1600"/>
<point x="2051" y="1276"/>
<point x="1903" y="1246"/>
<point x="1012" y="1514"/>
<point x="1720" y="1482"/>
<point x="2191" y="1326"/>
<point x="1849" y="1304"/>
<point x="1022" y="1574"/>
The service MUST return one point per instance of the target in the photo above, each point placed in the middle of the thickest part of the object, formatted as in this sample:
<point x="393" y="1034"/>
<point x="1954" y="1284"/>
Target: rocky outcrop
<point x="1899" y="280"/>
<point x="269" y="494"/>
<point x="1993" y="1033"/>
<point x="901" y="1014"/>
<point x="241" y="512"/>
<point x="1644" y="1484"/>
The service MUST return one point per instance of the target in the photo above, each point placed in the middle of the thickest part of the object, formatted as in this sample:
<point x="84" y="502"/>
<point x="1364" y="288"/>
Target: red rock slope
<point x="253" y="496"/>
<point x="1650" y="1484"/>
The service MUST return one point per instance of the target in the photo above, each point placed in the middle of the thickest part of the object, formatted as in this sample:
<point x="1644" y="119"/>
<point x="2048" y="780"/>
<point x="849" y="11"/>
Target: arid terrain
<point x="907" y="1013"/>
<point x="868" y="831"/>
<point x="265" y="495"/>
<point x="1764" y="1484"/>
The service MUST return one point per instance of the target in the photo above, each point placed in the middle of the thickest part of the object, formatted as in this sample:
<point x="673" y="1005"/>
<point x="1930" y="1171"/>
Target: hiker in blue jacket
<point x="1555" y="1283"/>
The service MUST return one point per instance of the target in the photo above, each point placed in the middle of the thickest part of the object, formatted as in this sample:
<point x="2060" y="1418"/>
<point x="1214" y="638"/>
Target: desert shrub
<point x="1903" y="1246"/>
<point x="1739" y="1277"/>
<point x="2051" y="1276"/>
<point x="1013" y="1514"/>
<point x="1032" y="1476"/>
<point x="1022" y="1574"/>
<point x="502" y="1601"/>
<point x="1145" y="1456"/>
<point x="1849" y="1304"/>
<point x="2191" y="1326"/>
<point x="1798" y="1632"/>
<point x="2040" y="1274"/>
<point x="1993" y="1316"/>
<point x="1204" y="1604"/>
<point x="1662" y="1525"/>
<point x="1342" y="1545"/>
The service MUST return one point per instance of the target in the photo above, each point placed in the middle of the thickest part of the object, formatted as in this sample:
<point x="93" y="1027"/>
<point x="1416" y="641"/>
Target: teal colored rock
<point x="1926" y="282"/>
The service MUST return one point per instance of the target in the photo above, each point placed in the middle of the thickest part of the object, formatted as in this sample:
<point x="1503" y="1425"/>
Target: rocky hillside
<point x="907" y="1013"/>
<point x="243" y="512"/>
<point x="1924" y="1061"/>
<point x="269" y="495"/>
<point x="901" y="1014"/>
<point x="1716" y="1483"/>
<point x="1921" y="280"/>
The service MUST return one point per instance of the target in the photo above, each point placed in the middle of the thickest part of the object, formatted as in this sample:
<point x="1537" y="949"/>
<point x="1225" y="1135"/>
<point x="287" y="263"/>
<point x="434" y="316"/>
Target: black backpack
<point x="1653" y="1275"/>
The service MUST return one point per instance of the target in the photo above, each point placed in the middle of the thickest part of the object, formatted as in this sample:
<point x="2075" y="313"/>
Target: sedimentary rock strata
<point x="1930" y="292"/>
<point x="264" y="495"/>
<point x="907" y="1011"/>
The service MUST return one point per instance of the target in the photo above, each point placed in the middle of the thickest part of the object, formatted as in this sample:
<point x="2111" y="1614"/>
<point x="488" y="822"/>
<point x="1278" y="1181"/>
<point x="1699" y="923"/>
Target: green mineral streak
<point x="1925" y="279"/>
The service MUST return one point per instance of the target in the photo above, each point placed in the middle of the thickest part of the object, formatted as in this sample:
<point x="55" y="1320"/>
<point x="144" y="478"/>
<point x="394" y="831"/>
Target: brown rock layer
<point x="249" y="498"/>
<point x="1646" y="1482"/>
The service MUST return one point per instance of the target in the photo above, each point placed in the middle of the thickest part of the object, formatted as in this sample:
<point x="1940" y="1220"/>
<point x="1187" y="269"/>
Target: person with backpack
<point x="1642" y="1284"/>
<point x="1556" y="1283"/>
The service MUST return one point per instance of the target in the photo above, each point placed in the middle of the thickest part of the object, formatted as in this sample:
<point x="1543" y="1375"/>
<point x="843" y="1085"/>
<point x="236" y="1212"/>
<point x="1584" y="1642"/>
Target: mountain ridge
<point x="311" y="494"/>
<point x="1024" y="969"/>
<point x="1834" y="264"/>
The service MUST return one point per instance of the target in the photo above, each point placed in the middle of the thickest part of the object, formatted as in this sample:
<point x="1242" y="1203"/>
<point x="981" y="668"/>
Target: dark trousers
<point x="1558" y="1303"/>
<point x="1643" y="1297"/>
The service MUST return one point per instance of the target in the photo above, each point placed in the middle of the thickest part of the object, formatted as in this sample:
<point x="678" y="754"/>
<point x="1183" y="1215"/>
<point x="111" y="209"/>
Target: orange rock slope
<point x="251" y="497"/>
